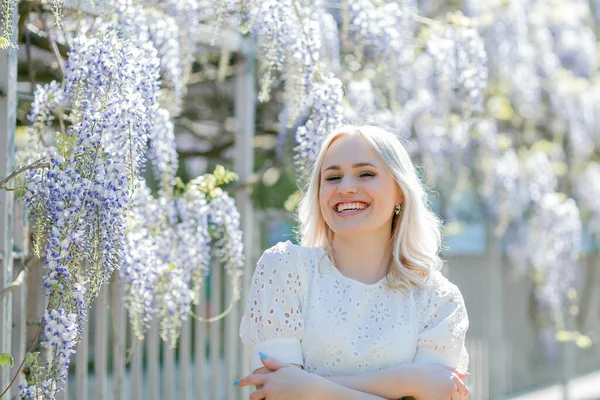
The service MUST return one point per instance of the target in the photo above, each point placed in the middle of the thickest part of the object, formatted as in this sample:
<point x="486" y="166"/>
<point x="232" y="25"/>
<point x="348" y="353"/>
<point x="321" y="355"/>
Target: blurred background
<point x="497" y="101"/>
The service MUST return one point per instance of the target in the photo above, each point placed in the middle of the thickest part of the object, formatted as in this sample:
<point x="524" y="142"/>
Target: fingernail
<point x="263" y="356"/>
<point x="236" y="383"/>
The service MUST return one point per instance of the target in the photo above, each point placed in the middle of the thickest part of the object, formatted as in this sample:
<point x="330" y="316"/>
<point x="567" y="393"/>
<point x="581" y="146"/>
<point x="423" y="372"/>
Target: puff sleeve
<point x="272" y="322"/>
<point x="444" y="325"/>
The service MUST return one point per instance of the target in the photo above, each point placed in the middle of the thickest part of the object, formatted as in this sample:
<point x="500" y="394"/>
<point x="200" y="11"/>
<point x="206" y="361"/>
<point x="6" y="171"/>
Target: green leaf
<point x="583" y="342"/>
<point x="564" y="336"/>
<point x="500" y="108"/>
<point x="219" y="172"/>
<point x="6" y="359"/>
<point x="179" y="183"/>
<point x="6" y="44"/>
<point x="293" y="201"/>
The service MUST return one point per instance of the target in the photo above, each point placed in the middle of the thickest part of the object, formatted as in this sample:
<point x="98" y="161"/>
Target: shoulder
<point x="289" y="256"/>
<point x="286" y="248"/>
<point x="438" y="290"/>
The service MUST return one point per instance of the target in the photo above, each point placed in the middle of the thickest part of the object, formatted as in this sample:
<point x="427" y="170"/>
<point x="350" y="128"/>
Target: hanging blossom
<point x="554" y="244"/>
<point x="193" y="227"/>
<point x="289" y="42"/>
<point x="574" y="41"/>
<point x="149" y="25"/>
<point x="80" y="206"/>
<point x="275" y="27"/>
<point x="162" y="151"/>
<point x="326" y="114"/>
<point x="302" y="64"/>
<point x="330" y="45"/>
<point x="169" y="256"/>
<point x="361" y="97"/>
<point x="578" y="103"/>
<point x="513" y="59"/>
<point x="48" y="99"/>
<point x="140" y="262"/>
<point x="511" y="186"/>
<point x="224" y="221"/>
<point x="461" y="62"/>
<point x="187" y="14"/>
<point x="184" y="251"/>
<point x="540" y="178"/>
<point x="79" y="202"/>
<point x="120" y="82"/>
<point x="411" y="111"/>
<point x="381" y="29"/>
<point x="61" y="331"/>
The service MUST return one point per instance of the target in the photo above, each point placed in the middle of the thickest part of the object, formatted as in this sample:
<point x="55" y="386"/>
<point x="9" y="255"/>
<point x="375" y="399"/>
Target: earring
<point x="398" y="209"/>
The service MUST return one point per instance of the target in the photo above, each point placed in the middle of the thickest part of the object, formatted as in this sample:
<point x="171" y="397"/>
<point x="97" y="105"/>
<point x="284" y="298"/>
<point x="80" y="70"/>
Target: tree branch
<point x="213" y="152"/>
<point x="39" y="164"/>
<point x="40" y="39"/>
<point x="251" y="180"/>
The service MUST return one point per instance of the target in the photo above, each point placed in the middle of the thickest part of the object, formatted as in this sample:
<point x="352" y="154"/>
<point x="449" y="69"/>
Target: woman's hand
<point x="438" y="382"/>
<point x="285" y="382"/>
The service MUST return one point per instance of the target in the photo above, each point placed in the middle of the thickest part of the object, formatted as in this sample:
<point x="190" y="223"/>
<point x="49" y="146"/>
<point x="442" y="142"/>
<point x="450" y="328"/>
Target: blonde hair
<point x="416" y="236"/>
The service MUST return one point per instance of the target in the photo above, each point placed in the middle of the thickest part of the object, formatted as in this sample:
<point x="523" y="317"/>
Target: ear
<point x="400" y="197"/>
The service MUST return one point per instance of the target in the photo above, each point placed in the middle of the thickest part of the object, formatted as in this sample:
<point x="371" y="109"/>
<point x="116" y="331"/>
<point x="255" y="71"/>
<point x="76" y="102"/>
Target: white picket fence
<point x="206" y="361"/>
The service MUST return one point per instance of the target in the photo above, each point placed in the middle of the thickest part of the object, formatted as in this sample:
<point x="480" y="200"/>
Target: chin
<point x="350" y="231"/>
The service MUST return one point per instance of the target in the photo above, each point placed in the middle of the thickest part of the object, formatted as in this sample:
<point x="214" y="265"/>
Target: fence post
<point x="19" y="329"/>
<point x="245" y="109"/>
<point x="8" y="120"/>
<point x="495" y="337"/>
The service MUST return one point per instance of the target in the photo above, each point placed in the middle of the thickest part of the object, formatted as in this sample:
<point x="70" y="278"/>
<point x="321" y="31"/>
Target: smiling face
<point x="357" y="192"/>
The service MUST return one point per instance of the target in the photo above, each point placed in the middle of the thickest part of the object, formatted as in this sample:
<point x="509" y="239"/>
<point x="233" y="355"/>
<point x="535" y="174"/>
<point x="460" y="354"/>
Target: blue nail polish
<point x="263" y="356"/>
<point x="236" y="383"/>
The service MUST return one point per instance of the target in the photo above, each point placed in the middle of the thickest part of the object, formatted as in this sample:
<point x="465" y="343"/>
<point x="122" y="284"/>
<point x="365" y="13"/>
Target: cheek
<point x="383" y="193"/>
<point x="323" y="198"/>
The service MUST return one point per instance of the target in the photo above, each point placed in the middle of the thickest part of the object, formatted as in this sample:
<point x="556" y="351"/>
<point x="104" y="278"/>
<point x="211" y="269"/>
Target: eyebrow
<point x="356" y="165"/>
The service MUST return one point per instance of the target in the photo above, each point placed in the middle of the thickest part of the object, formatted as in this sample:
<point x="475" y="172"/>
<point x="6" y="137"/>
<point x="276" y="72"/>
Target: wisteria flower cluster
<point x="61" y="331"/>
<point x="554" y="244"/>
<point x="289" y="39"/>
<point x="461" y="64"/>
<point x="120" y="83"/>
<point x="144" y="26"/>
<point x="169" y="254"/>
<point x="383" y="29"/>
<point x="78" y="202"/>
<point x="162" y="152"/>
<point x="224" y="221"/>
<point x="325" y="115"/>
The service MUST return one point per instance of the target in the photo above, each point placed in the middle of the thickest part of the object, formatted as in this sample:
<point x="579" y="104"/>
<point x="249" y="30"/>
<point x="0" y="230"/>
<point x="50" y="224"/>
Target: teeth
<point x="350" y="206"/>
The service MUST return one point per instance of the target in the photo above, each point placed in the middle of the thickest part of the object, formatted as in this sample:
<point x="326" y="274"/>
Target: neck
<point x="365" y="258"/>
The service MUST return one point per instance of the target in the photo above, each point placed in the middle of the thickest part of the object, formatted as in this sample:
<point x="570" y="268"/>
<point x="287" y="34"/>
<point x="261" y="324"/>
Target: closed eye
<point x="365" y="174"/>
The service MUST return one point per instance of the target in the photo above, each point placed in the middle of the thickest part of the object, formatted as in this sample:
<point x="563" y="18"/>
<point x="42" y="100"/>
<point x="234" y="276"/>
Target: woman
<point x="360" y="306"/>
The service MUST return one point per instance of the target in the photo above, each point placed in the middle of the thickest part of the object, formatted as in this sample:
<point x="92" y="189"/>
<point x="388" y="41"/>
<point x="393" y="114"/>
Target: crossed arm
<point x="403" y="381"/>
<point x="329" y="389"/>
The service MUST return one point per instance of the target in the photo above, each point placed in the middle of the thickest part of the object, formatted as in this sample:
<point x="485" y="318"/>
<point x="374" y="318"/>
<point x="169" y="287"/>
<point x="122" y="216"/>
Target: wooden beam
<point x="245" y="116"/>
<point x="8" y="119"/>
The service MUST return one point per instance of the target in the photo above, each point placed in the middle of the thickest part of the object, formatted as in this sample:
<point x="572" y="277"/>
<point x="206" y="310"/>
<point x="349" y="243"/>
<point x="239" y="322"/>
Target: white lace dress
<point x="302" y="310"/>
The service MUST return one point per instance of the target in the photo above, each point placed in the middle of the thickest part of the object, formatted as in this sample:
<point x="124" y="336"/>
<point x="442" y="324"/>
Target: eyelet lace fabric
<point x="301" y="310"/>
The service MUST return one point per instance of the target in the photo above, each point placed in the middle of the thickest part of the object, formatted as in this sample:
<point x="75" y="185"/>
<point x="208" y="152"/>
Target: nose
<point x="347" y="186"/>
